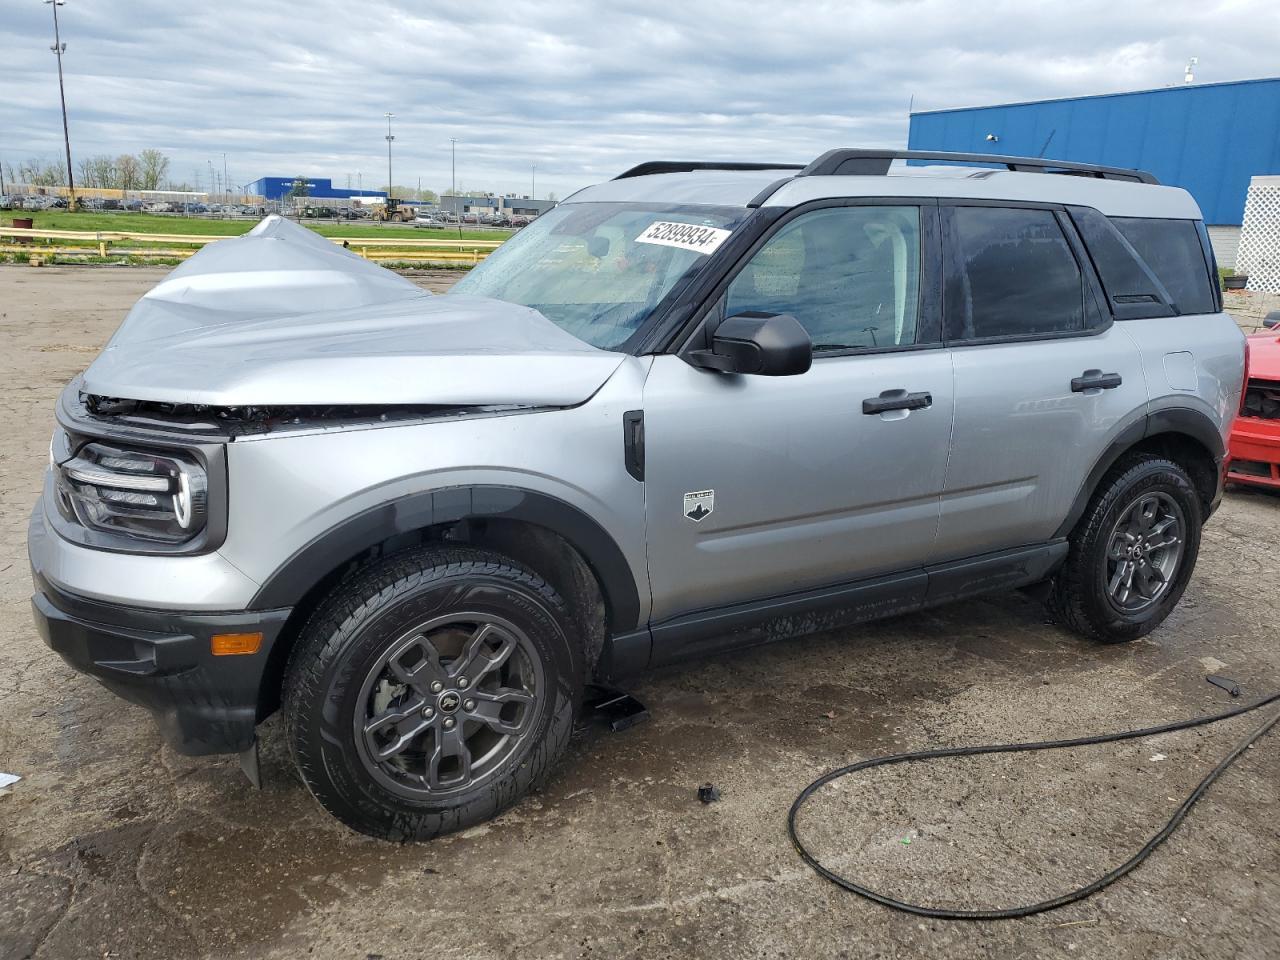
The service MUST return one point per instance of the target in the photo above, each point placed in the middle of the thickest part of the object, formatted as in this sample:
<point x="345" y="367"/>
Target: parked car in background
<point x="430" y="223"/>
<point x="520" y="221"/>
<point x="689" y="409"/>
<point x="1255" y="435"/>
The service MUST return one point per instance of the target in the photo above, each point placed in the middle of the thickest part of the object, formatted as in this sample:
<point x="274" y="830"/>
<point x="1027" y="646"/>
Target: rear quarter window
<point x="1171" y="248"/>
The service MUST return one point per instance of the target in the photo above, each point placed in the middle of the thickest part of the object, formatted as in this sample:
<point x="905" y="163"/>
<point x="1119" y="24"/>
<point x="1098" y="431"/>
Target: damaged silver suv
<point x="696" y="407"/>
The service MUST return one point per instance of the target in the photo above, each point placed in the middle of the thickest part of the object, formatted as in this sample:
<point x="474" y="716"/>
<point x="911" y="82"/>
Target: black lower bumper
<point x="162" y="660"/>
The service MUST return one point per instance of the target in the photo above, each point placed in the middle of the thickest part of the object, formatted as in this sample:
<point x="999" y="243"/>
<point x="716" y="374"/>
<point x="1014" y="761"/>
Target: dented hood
<point x="283" y="316"/>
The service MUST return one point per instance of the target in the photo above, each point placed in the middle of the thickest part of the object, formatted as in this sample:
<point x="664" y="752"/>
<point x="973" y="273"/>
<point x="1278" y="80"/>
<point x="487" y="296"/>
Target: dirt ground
<point x="114" y="846"/>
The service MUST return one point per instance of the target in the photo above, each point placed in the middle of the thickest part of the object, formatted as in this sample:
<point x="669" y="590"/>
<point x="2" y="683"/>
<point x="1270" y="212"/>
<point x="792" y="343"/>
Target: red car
<point x="1255" y="436"/>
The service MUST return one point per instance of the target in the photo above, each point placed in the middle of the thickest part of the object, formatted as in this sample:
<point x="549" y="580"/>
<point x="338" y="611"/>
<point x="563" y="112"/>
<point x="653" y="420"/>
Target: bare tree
<point x="128" y="172"/>
<point x="38" y="172"/>
<point x="154" y="166"/>
<point x="98" y="171"/>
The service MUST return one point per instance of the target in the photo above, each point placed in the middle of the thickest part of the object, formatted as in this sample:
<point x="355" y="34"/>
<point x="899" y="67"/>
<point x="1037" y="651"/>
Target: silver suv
<point x="697" y="407"/>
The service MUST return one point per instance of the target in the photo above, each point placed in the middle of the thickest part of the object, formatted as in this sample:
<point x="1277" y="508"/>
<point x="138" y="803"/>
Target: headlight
<point x="161" y="497"/>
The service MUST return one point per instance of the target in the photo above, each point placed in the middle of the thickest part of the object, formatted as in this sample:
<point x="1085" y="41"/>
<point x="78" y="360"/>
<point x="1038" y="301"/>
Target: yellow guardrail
<point x="44" y="251"/>
<point x="114" y="236"/>
<point x="104" y="243"/>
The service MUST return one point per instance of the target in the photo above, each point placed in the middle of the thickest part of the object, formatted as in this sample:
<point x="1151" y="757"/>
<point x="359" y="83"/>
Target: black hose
<point x="1008" y="913"/>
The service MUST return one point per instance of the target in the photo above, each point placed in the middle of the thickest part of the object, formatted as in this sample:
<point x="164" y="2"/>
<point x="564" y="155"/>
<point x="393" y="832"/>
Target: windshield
<point x="599" y="270"/>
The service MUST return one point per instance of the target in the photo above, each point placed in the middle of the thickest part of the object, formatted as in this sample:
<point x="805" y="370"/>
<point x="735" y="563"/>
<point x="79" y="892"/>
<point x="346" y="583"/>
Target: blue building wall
<point x="274" y="188"/>
<point x="1208" y="138"/>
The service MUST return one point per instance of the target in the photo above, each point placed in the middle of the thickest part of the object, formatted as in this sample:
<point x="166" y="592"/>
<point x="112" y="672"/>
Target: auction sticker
<point x="686" y="236"/>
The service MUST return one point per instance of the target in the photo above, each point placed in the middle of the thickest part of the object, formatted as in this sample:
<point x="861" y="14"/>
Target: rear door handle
<point x="897" y="400"/>
<point x="1095" y="380"/>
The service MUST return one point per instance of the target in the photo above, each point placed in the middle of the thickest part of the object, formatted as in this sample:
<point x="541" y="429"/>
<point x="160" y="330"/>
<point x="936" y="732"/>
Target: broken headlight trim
<point x="139" y="494"/>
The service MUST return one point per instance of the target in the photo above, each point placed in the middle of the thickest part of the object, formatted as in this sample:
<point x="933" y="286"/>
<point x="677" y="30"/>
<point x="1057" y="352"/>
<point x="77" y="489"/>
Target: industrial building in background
<point x="1210" y="139"/>
<point x="320" y="188"/>
<point x="490" y="204"/>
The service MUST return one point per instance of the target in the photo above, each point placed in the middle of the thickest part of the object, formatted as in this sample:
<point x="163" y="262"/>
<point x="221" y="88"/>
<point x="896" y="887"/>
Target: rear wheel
<point x="432" y="692"/>
<point x="1132" y="553"/>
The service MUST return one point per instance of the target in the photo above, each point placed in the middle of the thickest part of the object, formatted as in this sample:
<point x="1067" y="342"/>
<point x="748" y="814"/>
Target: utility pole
<point x="60" y="48"/>
<point x="389" y="139"/>
<point x="453" y="173"/>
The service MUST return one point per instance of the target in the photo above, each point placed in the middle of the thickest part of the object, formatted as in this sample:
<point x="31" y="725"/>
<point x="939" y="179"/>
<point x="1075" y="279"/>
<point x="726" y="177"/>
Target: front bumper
<point x="1254" y="455"/>
<point x="162" y="660"/>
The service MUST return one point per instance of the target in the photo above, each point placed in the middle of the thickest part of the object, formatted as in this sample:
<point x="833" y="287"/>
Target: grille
<point x="1262" y="400"/>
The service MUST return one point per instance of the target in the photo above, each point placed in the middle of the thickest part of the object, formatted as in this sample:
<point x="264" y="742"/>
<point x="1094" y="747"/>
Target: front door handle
<point x="1095" y="380"/>
<point x="897" y="400"/>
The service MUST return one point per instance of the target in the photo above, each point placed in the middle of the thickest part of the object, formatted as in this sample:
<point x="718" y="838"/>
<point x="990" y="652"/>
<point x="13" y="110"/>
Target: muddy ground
<point x="114" y="846"/>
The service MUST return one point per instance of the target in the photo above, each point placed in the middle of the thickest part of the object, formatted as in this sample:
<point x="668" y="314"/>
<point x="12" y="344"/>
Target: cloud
<point x="583" y="89"/>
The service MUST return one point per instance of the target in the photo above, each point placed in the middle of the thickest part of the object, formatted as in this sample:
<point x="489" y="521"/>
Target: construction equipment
<point x="392" y="211"/>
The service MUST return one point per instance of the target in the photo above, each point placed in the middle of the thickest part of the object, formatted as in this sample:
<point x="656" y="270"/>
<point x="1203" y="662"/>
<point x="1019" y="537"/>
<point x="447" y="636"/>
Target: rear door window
<point x="1172" y="250"/>
<point x="1011" y="274"/>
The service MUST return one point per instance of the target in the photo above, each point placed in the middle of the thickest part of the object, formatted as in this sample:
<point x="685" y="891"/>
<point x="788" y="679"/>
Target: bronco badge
<point x="699" y="504"/>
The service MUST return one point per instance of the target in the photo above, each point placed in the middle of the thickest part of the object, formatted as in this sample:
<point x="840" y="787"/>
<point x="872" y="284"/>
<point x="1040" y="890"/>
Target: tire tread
<point x="1072" y="599"/>
<point x="329" y="628"/>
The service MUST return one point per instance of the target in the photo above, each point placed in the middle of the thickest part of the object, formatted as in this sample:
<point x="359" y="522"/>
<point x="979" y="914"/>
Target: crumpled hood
<point x="283" y="316"/>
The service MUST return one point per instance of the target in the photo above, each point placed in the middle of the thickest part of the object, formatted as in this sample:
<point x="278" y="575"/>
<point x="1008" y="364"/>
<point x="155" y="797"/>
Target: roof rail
<point x="850" y="162"/>
<point x="685" y="166"/>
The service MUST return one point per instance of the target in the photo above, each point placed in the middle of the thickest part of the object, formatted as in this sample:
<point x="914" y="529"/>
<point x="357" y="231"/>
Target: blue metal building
<point x="1208" y="138"/>
<point x="322" y="188"/>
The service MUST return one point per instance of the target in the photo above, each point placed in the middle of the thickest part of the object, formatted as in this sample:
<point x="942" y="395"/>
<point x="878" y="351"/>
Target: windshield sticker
<point x="686" y="236"/>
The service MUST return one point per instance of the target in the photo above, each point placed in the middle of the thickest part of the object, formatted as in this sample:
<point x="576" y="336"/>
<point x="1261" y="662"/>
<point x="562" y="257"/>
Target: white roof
<point x="1115" y="198"/>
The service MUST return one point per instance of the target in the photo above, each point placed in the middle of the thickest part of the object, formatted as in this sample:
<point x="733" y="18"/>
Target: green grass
<point x="151" y="223"/>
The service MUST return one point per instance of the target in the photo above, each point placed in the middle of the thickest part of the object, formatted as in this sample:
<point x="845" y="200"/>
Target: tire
<point x="432" y="653"/>
<point x="1089" y="594"/>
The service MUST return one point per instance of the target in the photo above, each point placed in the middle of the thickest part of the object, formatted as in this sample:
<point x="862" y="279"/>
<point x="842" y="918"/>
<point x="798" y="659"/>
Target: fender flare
<point x="291" y="580"/>
<point x="1184" y="420"/>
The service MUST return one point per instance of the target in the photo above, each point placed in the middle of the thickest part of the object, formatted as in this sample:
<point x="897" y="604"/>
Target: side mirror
<point x="772" y="345"/>
<point x="1272" y="320"/>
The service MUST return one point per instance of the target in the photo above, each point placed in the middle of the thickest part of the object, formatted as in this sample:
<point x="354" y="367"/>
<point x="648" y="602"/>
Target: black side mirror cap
<point x="1272" y="320"/>
<point x="770" y="345"/>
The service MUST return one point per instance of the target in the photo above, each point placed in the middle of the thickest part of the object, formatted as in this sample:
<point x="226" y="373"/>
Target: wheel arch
<point x="554" y="538"/>
<point x="1185" y="435"/>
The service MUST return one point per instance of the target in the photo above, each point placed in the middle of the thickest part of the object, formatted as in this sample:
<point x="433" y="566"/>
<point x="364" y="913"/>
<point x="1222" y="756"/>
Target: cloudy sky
<point x="581" y="89"/>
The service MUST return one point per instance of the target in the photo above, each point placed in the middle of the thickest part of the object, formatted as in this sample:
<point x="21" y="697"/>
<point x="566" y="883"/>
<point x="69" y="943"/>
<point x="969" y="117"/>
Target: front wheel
<point x="1132" y="553"/>
<point x="431" y="692"/>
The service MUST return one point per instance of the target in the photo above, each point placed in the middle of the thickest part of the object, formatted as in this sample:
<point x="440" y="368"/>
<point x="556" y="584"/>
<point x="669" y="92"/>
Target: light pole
<point x="389" y="139"/>
<point x="226" y="181"/>
<point x="533" y="184"/>
<point x="453" y="175"/>
<point x="60" y="48"/>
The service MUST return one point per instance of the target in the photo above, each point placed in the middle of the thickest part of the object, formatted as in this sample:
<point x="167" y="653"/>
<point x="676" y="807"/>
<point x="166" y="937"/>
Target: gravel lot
<point x="114" y="846"/>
